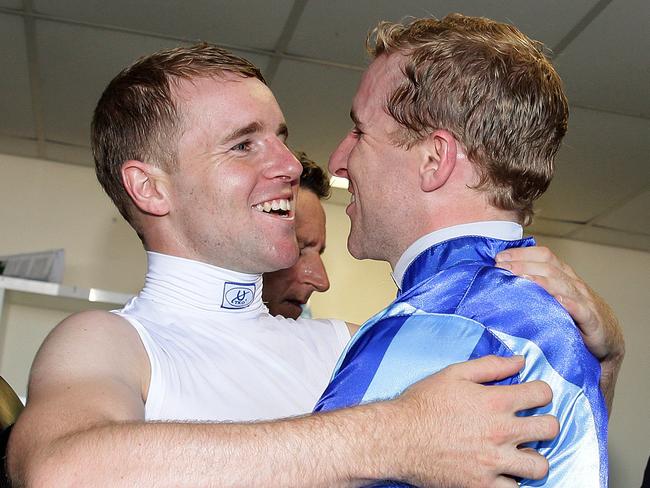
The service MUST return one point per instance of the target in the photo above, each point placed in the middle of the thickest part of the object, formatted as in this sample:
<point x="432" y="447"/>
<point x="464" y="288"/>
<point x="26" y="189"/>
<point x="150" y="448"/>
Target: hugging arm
<point x="598" y="325"/>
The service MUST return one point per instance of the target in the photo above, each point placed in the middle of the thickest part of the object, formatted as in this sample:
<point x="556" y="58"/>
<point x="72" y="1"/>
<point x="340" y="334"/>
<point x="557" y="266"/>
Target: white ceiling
<point x="57" y="56"/>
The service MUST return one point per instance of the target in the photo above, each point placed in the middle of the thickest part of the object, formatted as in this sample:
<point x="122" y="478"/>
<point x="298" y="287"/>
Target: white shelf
<point x="53" y="295"/>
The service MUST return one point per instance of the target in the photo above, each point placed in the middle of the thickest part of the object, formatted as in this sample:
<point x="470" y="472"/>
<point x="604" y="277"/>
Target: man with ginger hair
<point x="190" y="145"/>
<point x="456" y="126"/>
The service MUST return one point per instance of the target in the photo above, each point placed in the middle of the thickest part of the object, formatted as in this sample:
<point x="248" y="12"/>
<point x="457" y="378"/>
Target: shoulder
<point x="95" y="327"/>
<point x="91" y="343"/>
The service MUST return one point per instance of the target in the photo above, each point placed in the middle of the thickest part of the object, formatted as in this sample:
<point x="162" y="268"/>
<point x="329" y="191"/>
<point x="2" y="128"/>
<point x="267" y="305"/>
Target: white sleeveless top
<point x="215" y="352"/>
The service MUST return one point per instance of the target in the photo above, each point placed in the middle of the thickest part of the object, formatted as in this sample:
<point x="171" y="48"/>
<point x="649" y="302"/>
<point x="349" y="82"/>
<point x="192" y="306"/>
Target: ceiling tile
<point x="612" y="237"/>
<point x="14" y="4"/>
<point x="76" y="65"/>
<point x="634" y="216"/>
<point x="605" y="67"/>
<point x="316" y="101"/>
<point x="249" y="23"/>
<point x="603" y="161"/>
<point x="550" y="227"/>
<point x="16" y="101"/>
<point x="335" y="30"/>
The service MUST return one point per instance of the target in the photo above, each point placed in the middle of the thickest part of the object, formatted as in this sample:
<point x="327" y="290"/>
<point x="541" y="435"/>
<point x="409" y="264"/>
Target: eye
<point x="242" y="146"/>
<point x="356" y="132"/>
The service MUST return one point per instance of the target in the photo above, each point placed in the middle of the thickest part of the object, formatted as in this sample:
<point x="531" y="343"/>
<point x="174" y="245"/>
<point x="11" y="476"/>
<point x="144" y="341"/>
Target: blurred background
<point x="57" y="56"/>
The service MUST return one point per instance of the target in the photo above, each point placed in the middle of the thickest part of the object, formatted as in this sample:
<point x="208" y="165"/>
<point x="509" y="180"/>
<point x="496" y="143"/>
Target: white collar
<point x="497" y="229"/>
<point x="200" y="286"/>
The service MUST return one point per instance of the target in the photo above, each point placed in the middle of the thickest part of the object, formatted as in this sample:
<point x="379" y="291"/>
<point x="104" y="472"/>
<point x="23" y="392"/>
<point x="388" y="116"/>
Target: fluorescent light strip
<point x="338" y="182"/>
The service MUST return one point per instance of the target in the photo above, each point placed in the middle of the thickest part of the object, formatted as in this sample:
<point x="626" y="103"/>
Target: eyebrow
<point x="243" y="131"/>
<point x="252" y="128"/>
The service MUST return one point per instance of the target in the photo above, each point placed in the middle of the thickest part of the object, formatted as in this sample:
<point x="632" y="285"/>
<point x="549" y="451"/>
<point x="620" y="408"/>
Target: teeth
<point x="353" y="198"/>
<point x="281" y="204"/>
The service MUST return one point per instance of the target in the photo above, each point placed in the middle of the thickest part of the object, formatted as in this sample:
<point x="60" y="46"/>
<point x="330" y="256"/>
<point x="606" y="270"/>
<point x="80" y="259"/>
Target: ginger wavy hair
<point x="489" y="85"/>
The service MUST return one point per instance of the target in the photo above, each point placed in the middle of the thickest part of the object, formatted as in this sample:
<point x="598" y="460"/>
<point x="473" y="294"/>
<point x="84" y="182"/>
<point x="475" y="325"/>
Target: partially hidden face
<point x="380" y="172"/>
<point x="286" y="290"/>
<point x="234" y="190"/>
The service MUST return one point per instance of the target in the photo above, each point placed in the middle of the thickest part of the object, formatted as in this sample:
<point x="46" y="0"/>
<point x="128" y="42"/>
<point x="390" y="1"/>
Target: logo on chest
<point x="237" y="295"/>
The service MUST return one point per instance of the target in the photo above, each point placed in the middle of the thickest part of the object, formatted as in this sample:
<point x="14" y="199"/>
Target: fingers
<point x="581" y="314"/>
<point x="524" y="396"/>
<point x="505" y="482"/>
<point x="528" y="464"/>
<point x="552" y="279"/>
<point x="486" y="369"/>
<point x="535" y="428"/>
<point x="536" y="254"/>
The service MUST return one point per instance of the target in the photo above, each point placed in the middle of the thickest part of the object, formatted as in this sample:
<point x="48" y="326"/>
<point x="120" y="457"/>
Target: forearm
<point x="446" y="430"/>
<point x="320" y="450"/>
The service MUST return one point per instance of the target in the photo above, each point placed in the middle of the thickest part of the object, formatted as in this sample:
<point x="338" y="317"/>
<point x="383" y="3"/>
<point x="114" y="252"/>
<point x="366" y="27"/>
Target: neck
<point x="456" y="216"/>
<point x="502" y="230"/>
<point x="192" y="284"/>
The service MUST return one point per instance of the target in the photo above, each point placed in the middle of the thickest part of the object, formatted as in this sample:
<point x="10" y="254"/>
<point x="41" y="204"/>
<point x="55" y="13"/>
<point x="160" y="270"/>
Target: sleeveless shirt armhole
<point x="342" y="333"/>
<point x="153" y="403"/>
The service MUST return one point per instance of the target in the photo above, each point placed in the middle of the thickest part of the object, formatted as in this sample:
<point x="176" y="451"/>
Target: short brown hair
<point x="492" y="88"/>
<point x="313" y="177"/>
<point x="136" y="117"/>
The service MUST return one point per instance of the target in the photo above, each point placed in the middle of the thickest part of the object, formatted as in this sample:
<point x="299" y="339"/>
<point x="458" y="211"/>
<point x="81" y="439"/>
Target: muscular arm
<point x="595" y="319"/>
<point x="84" y="426"/>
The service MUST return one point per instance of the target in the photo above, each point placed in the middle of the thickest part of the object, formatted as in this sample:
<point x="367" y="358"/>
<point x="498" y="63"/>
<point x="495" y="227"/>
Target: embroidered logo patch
<point x="237" y="295"/>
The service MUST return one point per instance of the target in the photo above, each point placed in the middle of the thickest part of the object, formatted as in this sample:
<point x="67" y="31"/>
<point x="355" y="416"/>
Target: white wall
<point x="45" y="205"/>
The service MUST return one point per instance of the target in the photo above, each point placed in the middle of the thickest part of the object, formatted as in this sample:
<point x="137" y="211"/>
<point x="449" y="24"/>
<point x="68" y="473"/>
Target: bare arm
<point x="352" y="328"/>
<point x="595" y="319"/>
<point x="83" y="426"/>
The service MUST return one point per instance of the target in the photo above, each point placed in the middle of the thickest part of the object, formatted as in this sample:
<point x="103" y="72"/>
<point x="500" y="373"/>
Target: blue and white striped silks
<point x="455" y="305"/>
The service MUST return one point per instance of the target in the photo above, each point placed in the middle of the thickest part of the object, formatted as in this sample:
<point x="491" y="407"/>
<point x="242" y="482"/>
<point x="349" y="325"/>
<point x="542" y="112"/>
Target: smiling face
<point x="233" y="192"/>
<point x="287" y="289"/>
<point x="381" y="173"/>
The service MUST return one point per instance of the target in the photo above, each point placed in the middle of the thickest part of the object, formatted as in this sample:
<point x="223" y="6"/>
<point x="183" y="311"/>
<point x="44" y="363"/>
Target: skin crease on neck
<point x="286" y="290"/>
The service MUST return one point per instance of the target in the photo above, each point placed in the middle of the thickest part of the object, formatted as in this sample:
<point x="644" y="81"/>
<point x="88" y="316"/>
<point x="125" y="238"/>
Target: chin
<point x="354" y="250"/>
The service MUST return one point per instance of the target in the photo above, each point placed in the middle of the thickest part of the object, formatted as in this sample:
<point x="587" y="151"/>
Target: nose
<point x="338" y="163"/>
<point x="315" y="275"/>
<point x="283" y="163"/>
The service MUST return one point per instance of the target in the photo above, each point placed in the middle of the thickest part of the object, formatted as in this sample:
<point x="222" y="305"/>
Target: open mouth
<point x="296" y="303"/>
<point x="280" y="207"/>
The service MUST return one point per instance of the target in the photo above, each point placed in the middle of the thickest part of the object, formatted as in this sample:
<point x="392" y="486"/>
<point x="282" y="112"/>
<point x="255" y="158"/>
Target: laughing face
<point x="233" y="192"/>
<point x="381" y="173"/>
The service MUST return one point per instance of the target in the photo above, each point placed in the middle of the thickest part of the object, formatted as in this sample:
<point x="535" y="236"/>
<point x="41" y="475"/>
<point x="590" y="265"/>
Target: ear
<point x="147" y="186"/>
<point x="440" y="160"/>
